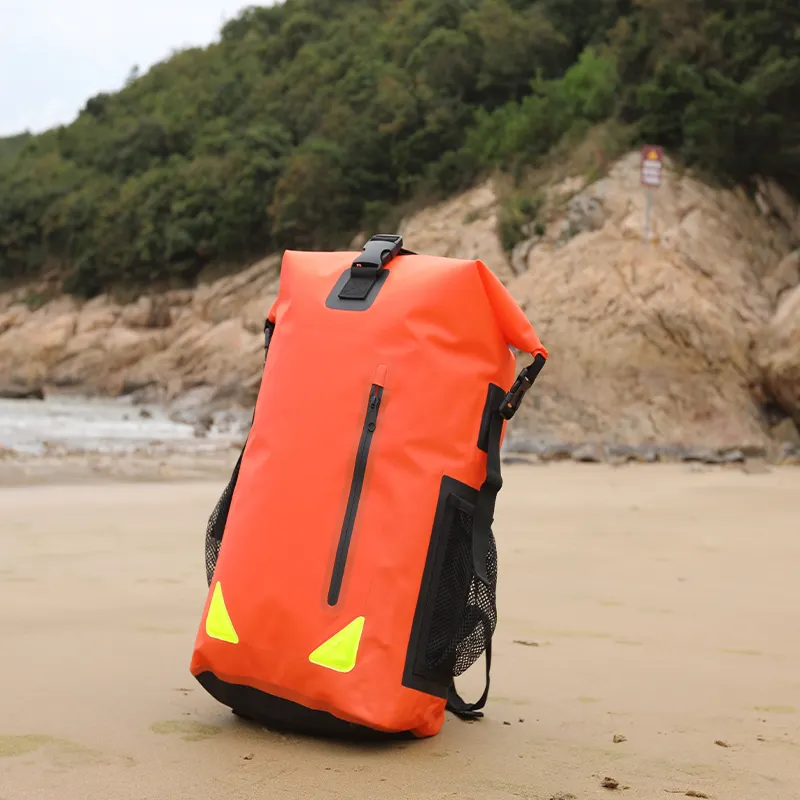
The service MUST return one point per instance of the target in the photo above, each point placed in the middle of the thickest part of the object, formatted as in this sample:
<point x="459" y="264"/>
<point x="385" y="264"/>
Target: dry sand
<point x="656" y="603"/>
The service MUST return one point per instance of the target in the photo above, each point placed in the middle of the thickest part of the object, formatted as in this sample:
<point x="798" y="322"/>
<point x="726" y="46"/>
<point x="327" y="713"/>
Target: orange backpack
<point x="351" y="562"/>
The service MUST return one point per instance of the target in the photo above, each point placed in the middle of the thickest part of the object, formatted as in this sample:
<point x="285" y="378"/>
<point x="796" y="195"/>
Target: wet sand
<point x="656" y="603"/>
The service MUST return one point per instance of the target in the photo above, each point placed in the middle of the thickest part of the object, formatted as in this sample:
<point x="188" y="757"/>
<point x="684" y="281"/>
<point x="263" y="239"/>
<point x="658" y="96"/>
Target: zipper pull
<point x="374" y="405"/>
<point x="375" y="395"/>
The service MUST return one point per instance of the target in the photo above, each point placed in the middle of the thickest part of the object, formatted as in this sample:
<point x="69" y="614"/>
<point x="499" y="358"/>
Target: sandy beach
<point x="656" y="603"/>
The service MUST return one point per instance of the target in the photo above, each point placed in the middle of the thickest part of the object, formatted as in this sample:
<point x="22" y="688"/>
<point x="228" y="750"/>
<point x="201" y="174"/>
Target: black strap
<point x="219" y="530"/>
<point x="483" y="518"/>
<point x="456" y="703"/>
<point x="358" y="286"/>
<point x="366" y="268"/>
<point x="224" y="506"/>
<point x="487" y="496"/>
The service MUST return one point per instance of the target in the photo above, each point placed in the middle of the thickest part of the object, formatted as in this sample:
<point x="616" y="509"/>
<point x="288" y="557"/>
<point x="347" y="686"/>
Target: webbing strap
<point x="269" y="330"/>
<point x="366" y="268"/>
<point x="483" y="518"/>
<point x="458" y="706"/>
<point x="358" y="286"/>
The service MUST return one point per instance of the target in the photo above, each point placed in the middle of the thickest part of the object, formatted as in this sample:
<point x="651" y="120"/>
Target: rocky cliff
<point x="207" y="340"/>
<point x="692" y="340"/>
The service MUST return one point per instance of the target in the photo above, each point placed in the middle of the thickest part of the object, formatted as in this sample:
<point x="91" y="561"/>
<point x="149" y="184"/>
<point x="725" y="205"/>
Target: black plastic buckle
<point x="524" y="381"/>
<point x="378" y="252"/>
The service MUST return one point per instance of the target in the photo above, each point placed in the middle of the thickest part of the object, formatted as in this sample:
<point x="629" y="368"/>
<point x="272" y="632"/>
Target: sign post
<point x="650" y="172"/>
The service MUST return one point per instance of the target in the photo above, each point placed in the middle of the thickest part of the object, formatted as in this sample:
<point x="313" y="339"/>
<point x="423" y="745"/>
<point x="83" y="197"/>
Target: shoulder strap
<point x="223" y="506"/>
<point x="484" y="517"/>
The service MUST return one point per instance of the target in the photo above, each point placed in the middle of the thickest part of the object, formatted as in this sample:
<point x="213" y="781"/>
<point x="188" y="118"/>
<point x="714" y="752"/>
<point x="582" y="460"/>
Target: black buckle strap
<point x="493" y="482"/>
<point x="524" y="381"/>
<point x="366" y="267"/>
<point x="483" y="518"/>
<point x="379" y="251"/>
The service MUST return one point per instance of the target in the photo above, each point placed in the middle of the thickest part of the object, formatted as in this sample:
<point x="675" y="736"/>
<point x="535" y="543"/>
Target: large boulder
<point x="32" y="344"/>
<point x="643" y="349"/>
<point x="210" y="336"/>
<point x="783" y="278"/>
<point x="778" y="354"/>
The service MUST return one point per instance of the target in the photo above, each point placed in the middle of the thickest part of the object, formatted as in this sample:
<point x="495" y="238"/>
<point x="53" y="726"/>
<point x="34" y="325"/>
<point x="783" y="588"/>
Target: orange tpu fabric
<point x="436" y="335"/>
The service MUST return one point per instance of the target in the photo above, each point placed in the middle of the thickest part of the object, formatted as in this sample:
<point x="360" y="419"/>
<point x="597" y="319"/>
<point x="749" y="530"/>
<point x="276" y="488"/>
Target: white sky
<point x="56" y="54"/>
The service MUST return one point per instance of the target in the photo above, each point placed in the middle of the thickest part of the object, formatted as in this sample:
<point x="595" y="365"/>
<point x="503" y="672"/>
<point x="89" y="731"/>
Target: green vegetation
<point x="516" y="218"/>
<point x="310" y="119"/>
<point x="11" y="146"/>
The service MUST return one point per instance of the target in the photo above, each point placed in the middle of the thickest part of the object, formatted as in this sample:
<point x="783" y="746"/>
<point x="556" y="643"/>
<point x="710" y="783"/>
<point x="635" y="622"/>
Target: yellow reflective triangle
<point x="340" y="651"/>
<point x="218" y="621"/>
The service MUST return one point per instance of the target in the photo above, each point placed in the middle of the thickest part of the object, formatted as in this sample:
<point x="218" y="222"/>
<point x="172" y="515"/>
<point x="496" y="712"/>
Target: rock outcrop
<point x="463" y="227"/>
<point x="654" y="343"/>
<point x="778" y="354"/>
<point x="158" y="347"/>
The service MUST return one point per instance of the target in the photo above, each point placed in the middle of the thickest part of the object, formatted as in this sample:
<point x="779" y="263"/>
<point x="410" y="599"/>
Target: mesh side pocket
<point x="216" y="524"/>
<point x="465" y="610"/>
<point x="212" y="553"/>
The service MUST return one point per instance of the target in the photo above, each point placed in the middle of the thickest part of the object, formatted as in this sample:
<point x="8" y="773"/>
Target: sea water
<point x="78" y="424"/>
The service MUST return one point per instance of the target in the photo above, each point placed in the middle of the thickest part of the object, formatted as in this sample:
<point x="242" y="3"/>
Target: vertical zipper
<point x="356" y="485"/>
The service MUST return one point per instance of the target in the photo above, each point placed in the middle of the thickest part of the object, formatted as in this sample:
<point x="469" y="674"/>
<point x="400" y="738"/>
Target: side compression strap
<point x="484" y="517"/>
<point x="481" y="532"/>
<point x="487" y="497"/>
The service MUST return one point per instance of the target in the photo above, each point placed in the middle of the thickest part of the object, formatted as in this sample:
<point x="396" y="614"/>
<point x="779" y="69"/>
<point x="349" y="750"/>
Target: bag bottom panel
<point x="280" y="714"/>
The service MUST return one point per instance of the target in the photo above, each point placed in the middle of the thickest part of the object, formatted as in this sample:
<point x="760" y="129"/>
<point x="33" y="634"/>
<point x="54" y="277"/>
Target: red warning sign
<point x="652" y="165"/>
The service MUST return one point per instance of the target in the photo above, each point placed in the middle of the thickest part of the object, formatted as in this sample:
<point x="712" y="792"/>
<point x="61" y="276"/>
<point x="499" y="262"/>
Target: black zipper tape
<point x="356" y="486"/>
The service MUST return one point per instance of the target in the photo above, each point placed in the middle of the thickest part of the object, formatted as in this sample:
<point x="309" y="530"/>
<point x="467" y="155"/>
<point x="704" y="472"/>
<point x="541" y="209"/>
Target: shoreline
<point x="73" y="439"/>
<point x="93" y="468"/>
<point x="88" y="469"/>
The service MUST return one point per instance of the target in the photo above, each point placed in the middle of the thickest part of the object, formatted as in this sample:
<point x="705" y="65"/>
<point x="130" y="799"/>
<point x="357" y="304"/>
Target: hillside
<point x="687" y="348"/>
<point x="313" y="119"/>
<point x="12" y="146"/>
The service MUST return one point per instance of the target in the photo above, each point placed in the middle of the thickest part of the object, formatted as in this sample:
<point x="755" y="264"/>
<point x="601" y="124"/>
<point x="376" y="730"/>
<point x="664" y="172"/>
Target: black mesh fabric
<point x="465" y="611"/>
<point x="212" y="553"/>
<point x="216" y="525"/>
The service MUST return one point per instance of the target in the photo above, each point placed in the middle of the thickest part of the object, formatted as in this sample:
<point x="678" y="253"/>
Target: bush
<point x="529" y="129"/>
<point x="515" y="220"/>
